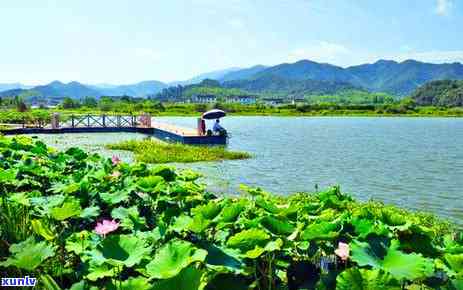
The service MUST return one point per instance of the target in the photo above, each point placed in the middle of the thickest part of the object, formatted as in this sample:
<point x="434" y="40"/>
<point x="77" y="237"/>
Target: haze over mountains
<point x="397" y="78"/>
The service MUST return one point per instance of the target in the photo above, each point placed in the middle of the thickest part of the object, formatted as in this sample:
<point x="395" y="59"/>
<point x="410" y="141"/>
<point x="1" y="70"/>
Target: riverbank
<point x="155" y="151"/>
<point x="40" y="116"/>
<point x="109" y="224"/>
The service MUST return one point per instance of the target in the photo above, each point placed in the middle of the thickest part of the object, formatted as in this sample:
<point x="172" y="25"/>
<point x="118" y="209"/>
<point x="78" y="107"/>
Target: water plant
<point x="156" y="151"/>
<point x="83" y="227"/>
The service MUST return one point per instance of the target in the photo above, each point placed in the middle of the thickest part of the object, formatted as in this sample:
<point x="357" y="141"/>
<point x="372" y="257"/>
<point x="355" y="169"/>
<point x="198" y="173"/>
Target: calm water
<point x="415" y="163"/>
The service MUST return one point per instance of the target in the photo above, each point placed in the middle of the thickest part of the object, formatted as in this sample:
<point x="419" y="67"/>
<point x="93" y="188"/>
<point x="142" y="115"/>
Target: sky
<point x="127" y="41"/>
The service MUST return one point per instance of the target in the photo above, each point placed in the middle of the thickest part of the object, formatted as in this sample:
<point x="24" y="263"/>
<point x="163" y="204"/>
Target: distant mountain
<point x="214" y="75"/>
<point x="12" y="86"/>
<point x="242" y="74"/>
<point x="12" y="93"/>
<point x="140" y="89"/>
<point x="440" y="93"/>
<point x="72" y="89"/>
<point x="403" y="78"/>
<point x="286" y="86"/>
<point x="382" y="76"/>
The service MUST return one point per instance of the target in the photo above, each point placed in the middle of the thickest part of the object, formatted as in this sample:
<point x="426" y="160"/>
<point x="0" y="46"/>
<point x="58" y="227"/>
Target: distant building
<point x="244" y="100"/>
<point x="273" y="101"/>
<point x="203" y="99"/>
<point x="298" y="101"/>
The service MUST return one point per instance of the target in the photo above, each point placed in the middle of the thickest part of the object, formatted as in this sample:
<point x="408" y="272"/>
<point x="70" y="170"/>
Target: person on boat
<point x="218" y="129"/>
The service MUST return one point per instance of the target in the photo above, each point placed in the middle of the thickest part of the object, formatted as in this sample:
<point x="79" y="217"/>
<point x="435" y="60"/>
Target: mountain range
<point x="396" y="78"/>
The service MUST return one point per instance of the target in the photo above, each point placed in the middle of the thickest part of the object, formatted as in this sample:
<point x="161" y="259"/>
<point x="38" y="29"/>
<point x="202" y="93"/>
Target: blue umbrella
<point x="213" y="114"/>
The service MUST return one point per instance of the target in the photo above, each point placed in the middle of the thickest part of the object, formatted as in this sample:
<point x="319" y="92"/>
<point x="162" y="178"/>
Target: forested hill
<point x="447" y="93"/>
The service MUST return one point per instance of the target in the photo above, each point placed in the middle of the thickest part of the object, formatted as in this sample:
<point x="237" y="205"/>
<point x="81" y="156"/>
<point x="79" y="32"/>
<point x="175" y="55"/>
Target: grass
<point x="154" y="151"/>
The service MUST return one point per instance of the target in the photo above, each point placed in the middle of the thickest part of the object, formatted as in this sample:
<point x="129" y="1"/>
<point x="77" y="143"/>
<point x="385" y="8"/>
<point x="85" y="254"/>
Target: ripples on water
<point x="415" y="163"/>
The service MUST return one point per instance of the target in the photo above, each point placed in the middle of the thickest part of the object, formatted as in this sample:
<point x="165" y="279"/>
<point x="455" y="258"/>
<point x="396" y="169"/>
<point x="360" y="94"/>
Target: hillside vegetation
<point x="447" y="93"/>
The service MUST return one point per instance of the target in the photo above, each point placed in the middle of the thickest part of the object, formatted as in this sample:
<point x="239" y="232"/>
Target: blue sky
<point x="122" y="41"/>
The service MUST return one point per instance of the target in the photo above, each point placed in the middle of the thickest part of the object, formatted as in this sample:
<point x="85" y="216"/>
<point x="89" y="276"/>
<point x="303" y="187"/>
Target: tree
<point x="69" y="103"/>
<point x="90" y="102"/>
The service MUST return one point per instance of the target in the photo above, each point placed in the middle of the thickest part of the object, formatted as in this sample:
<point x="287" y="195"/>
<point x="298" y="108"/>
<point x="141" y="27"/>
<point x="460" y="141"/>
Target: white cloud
<point x="443" y="7"/>
<point x="322" y="51"/>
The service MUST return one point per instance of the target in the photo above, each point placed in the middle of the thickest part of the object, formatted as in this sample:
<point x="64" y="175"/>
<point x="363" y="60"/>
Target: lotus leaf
<point x="321" y="230"/>
<point x="137" y="283"/>
<point x="28" y="254"/>
<point x="129" y="217"/>
<point x="362" y="279"/>
<point x="277" y="226"/>
<point x="43" y="230"/>
<point x="188" y="279"/>
<point x="149" y="183"/>
<point x="124" y="249"/>
<point x="172" y="258"/>
<point x="67" y="210"/>
<point x="115" y="197"/>
<point x="248" y="239"/>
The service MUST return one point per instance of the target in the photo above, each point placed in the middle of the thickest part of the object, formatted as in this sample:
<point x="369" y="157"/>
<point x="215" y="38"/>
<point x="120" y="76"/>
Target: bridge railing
<point x="90" y="121"/>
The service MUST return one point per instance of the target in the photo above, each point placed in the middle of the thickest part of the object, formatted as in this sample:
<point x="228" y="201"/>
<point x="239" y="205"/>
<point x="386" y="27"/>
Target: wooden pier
<point x="124" y="124"/>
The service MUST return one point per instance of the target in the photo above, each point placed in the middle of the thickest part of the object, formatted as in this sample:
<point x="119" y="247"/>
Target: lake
<point x="416" y="163"/>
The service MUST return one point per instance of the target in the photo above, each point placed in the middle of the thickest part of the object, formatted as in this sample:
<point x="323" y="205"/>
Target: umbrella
<point x="213" y="114"/>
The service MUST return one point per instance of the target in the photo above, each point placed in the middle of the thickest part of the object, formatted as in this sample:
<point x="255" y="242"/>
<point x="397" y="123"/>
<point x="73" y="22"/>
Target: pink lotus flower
<point x="116" y="174"/>
<point x="342" y="251"/>
<point x="106" y="226"/>
<point x="115" y="160"/>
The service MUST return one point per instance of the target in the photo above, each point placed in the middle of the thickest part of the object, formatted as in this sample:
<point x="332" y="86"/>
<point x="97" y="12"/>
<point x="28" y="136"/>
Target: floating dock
<point x="122" y="124"/>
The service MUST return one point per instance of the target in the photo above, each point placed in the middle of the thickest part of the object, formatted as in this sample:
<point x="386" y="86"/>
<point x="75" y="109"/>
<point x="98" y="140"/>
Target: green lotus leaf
<point x="199" y="224"/>
<point x="79" y="286"/>
<point x="149" y="183"/>
<point x="364" y="227"/>
<point x="230" y="212"/>
<point x="70" y="208"/>
<point x="66" y="188"/>
<point x="133" y="283"/>
<point x="90" y="212"/>
<point x="364" y="255"/>
<point x="397" y="263"/>
<point x="362" y="279"/>
<point x="96" y="271"/>
<point x="393" y="218"/>
<point x="20" y="198"/>
<point x="321" y="230"/>
<point x="164" y="171"/>
<point x="270" y="247"/>
<point x="115" y="197"/>
<point x="267" y="205"/>
<point x="128" y="250"/>
<point x="41" y="229"/>
<point x="277" y="226"/>
<point x="248" y="239"/>
<point x="455" y="262"/>
<point x="406" y="266"/>
<point x="188" y="279"/>
<point x="129" y="217"/>
<point x="28" y="254"/>
<point x="182" y="223"/>
<point x="8" y="175"/>
<point x="209" y="210"/>
<point x="219" y="257"/>
<point x="171" y="258"/>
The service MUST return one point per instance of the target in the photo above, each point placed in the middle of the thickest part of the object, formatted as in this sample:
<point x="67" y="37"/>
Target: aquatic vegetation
<point x="77" y="226"/>
<point x="155" y="151"/>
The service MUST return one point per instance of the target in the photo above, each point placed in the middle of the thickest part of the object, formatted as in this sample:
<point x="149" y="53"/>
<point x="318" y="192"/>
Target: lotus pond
<point x="82" y="221"/>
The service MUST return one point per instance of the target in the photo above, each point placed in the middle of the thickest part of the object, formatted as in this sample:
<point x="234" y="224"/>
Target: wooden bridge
<point x="91" y="123"/>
